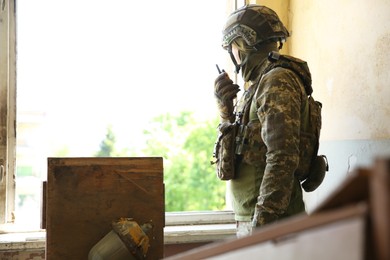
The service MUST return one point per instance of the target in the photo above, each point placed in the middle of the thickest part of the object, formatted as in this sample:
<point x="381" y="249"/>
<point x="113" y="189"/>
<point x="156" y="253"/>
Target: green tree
<point x="107" y="146"/>
<point x="186" y="144"/>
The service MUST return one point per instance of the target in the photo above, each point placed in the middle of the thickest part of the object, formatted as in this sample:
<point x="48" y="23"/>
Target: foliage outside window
<point x="186" y="144"/>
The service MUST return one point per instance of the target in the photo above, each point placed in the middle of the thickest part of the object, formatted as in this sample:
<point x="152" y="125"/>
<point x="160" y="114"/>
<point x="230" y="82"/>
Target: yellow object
<point x="127" y="241"/>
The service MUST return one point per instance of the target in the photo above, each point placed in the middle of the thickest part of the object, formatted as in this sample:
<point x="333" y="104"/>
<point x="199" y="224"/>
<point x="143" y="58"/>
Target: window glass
<point x="96" y="76"/>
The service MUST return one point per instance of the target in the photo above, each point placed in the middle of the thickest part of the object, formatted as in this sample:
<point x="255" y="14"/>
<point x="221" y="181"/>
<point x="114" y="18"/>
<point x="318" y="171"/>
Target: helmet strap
<point x="236" y="65"/>
<point x="280" y="45"/>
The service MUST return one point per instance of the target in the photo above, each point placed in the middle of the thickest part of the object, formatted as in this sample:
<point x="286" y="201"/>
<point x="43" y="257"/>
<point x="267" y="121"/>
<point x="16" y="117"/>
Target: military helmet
<point x="255" y="24"/>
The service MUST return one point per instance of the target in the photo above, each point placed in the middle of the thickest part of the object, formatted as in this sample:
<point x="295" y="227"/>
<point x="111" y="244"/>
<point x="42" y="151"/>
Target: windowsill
<point x="23" y="241"/>
<point x="194" y="227"/>
<point x="198" y="233"/>
<point x="180" y="227"/>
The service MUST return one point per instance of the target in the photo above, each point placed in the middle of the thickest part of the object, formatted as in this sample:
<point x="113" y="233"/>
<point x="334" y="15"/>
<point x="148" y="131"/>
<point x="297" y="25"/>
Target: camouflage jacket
<point x="265" y="189"/>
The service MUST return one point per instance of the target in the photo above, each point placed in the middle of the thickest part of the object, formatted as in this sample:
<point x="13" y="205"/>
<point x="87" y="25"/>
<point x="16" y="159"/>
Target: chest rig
<point x="242" y="118"/>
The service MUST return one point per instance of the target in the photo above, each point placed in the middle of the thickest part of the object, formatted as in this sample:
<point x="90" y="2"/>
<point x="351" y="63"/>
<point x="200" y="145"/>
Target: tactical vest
<point x="250" y="147"/>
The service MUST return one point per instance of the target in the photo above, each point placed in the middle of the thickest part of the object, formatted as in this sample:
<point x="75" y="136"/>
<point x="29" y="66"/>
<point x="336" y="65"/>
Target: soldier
<point x="265" y="187"/>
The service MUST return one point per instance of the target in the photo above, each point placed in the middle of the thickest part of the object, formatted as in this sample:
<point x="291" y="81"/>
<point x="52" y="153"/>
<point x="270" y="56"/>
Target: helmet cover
<point x="255" y="24"/>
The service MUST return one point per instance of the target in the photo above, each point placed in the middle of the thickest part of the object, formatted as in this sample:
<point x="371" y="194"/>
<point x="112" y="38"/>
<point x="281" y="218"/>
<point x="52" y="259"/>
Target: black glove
<point x="225" y="91"/>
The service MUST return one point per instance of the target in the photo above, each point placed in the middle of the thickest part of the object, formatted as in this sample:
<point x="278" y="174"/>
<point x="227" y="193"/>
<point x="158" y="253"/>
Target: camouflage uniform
<point x="266" y="188"/>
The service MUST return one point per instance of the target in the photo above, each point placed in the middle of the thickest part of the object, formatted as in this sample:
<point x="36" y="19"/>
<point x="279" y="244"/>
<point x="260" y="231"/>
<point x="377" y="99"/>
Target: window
<point x="86" y="67"/>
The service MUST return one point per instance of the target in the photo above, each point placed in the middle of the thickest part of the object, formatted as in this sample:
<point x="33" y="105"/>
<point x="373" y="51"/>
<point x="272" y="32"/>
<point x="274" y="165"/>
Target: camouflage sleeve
<point x="279" y="105"/>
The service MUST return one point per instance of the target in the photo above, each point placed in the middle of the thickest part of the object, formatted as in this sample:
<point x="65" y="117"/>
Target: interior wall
<point x="346" y="44"/>
<point x="349" y="52"/>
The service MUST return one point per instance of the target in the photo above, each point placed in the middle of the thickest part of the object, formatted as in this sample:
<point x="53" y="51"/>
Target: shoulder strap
<point x="298" y="66"/>
<point x="243" y="108"/>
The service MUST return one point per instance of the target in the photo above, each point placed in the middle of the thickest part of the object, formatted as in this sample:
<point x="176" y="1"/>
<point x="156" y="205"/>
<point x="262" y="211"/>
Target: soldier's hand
<point x="225" y="91"/>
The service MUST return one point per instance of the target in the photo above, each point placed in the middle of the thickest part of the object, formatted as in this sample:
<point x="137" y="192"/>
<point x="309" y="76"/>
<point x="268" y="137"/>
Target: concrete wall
<point x="346" y="44"/>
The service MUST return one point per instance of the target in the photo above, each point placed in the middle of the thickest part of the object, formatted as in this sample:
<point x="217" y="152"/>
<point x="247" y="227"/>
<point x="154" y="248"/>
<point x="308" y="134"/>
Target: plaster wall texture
<point x="346" y="46"/>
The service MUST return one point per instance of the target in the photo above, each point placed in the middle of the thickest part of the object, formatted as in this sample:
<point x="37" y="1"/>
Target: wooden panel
<point x="43" y="206"/>
<point x="84" y="195"/>
<point x="380" y="209"/>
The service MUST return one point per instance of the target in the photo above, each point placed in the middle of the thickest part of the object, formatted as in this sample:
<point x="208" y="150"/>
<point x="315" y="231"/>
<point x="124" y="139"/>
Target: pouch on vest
<point x="224" y="151"/>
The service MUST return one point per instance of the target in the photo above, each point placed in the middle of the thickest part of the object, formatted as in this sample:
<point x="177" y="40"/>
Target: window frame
<point x="7" y="110"/>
